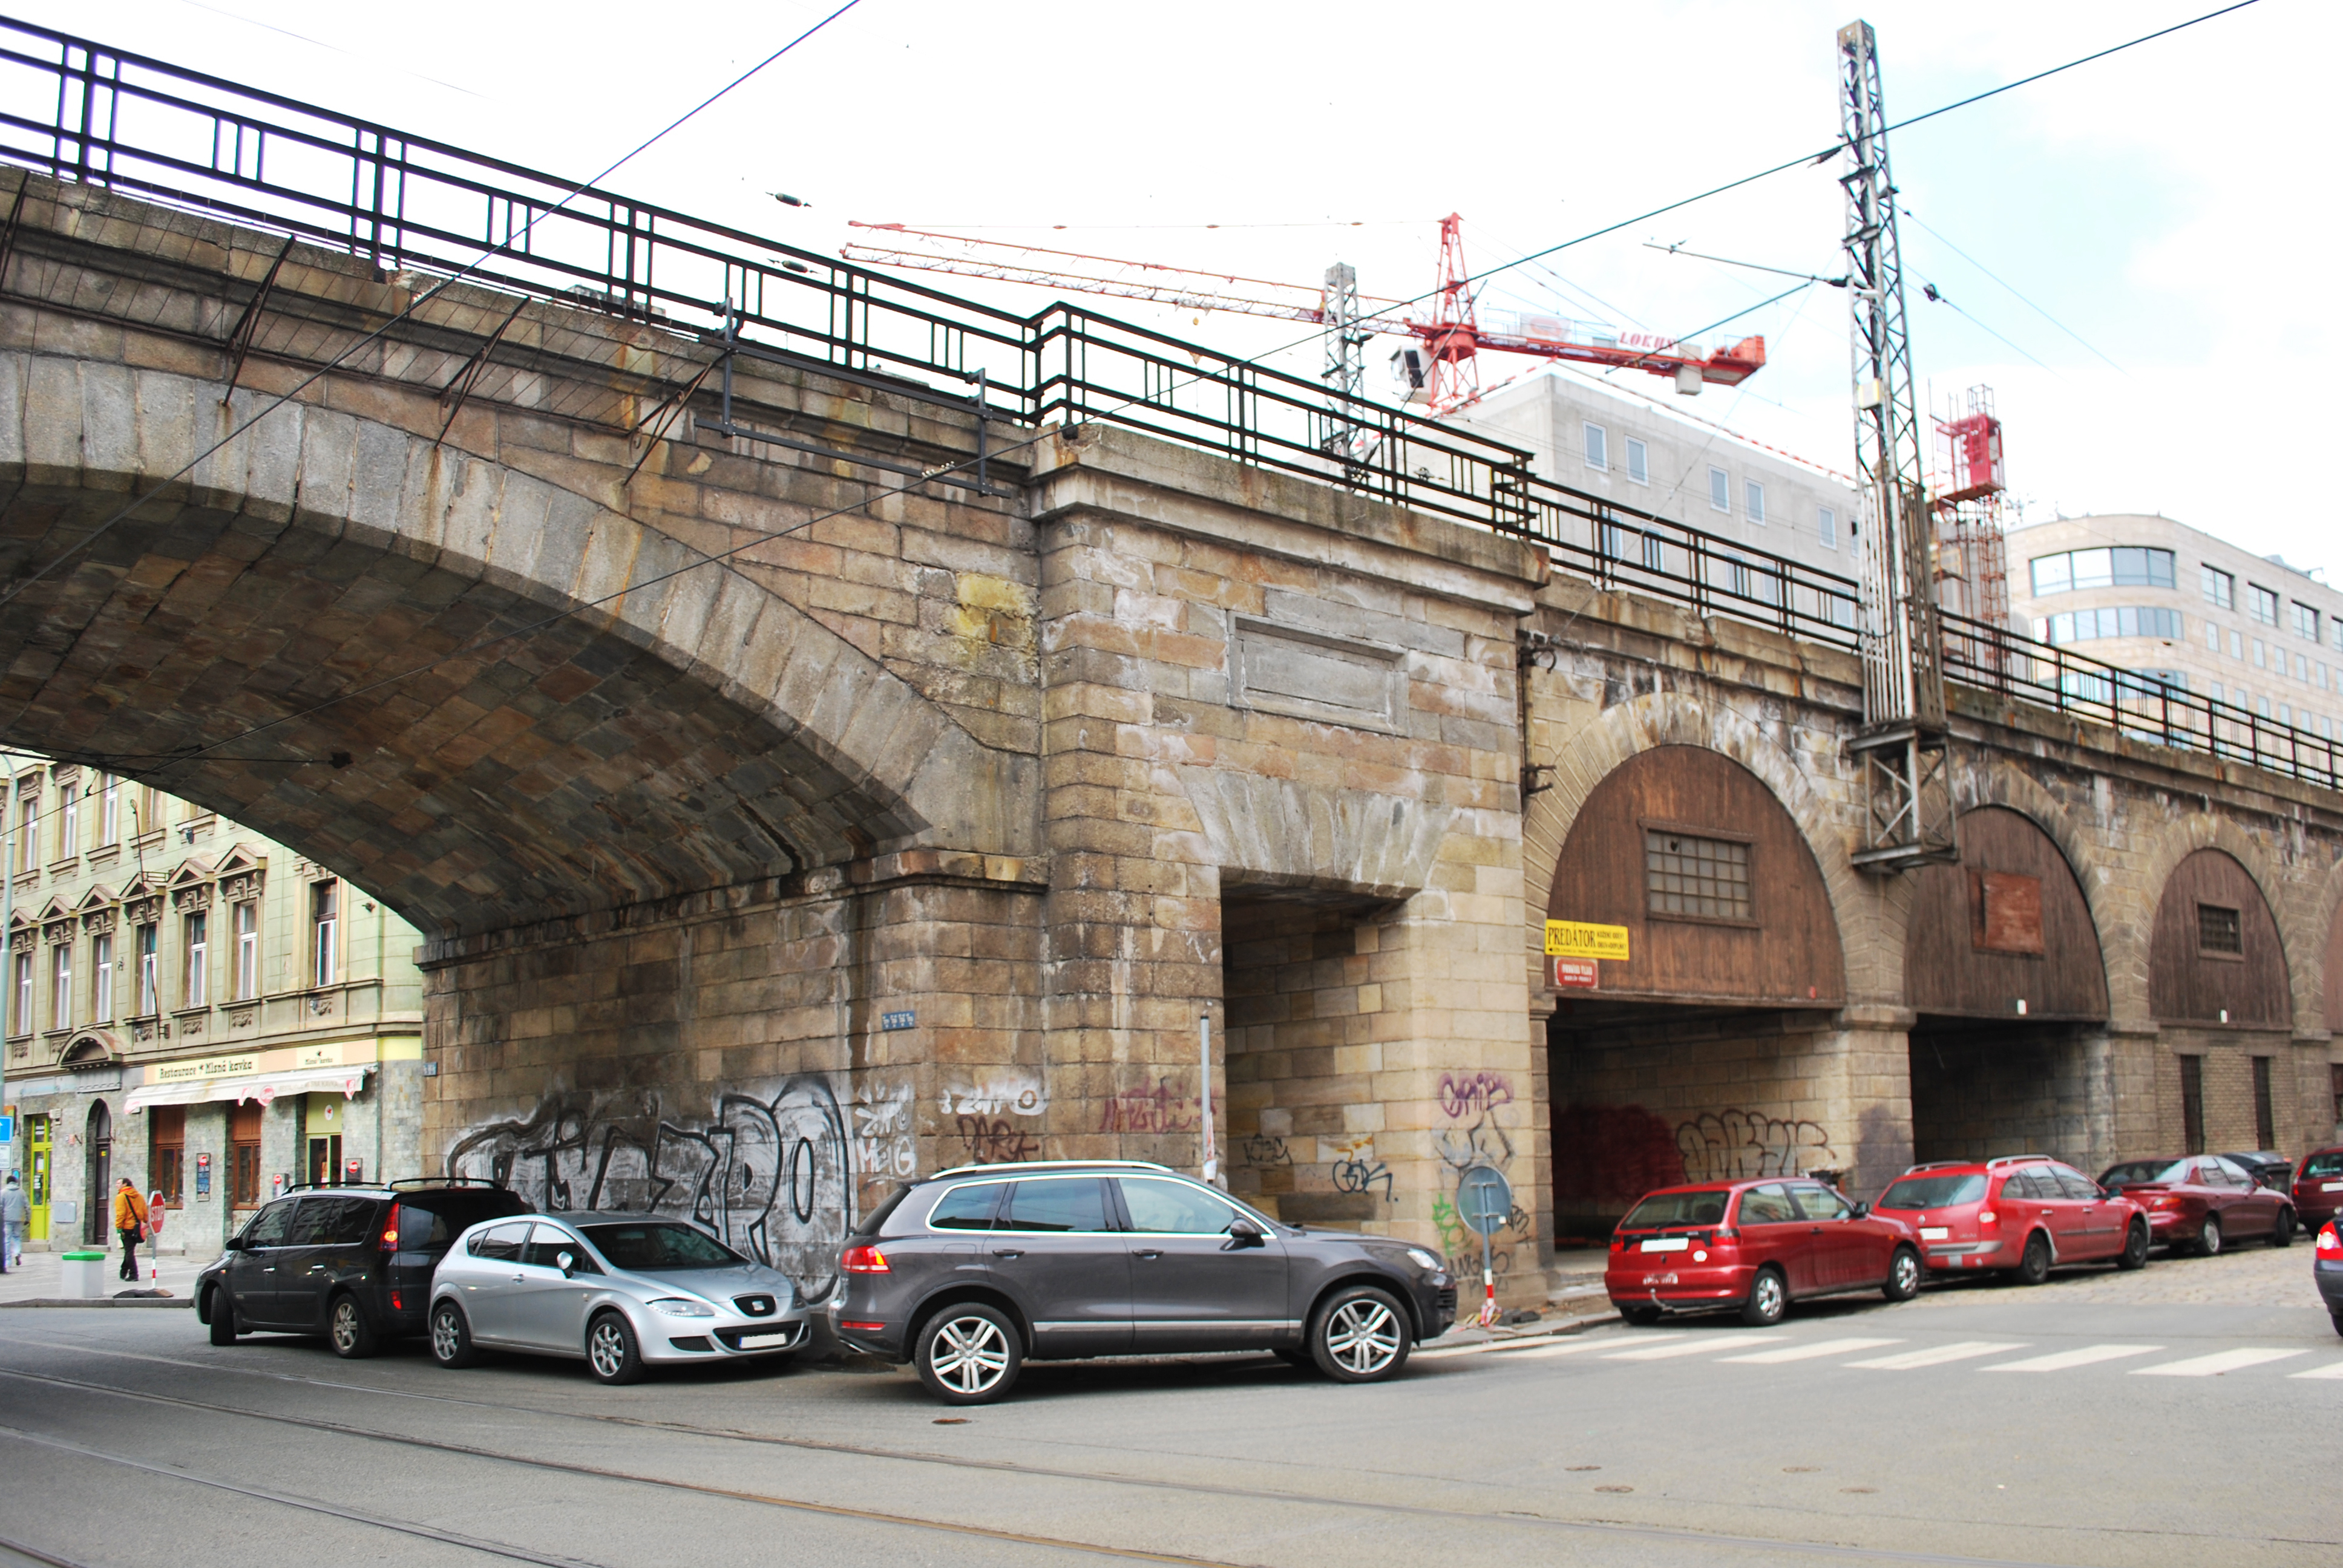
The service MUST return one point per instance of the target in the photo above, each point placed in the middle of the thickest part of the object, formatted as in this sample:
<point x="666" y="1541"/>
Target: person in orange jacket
<point x="130" y="1223"/>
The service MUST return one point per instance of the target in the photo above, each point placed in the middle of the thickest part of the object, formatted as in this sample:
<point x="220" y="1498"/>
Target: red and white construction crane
<point x="1971" y="565"/>
<point x="1440" y="368"/>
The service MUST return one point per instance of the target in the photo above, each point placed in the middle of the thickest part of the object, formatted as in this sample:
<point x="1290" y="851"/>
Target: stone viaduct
<point x="783" y="828"/>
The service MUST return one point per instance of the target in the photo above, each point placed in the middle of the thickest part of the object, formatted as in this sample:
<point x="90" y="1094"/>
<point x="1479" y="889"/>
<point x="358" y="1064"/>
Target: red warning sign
<point x="1576" y="974"/>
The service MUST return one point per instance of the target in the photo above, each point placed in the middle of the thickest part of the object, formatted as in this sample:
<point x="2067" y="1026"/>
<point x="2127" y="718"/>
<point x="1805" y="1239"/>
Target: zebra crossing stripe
<point x="2332" y="1370"/>
<point x="2061" y="1359"/>
<point x="1939" y="1355"/>
<point x="1691" y="1345"/>
<point x="1547" y="1353"/>
<point x="1811" y="1350"/>
<point x="2216" y="1365"/>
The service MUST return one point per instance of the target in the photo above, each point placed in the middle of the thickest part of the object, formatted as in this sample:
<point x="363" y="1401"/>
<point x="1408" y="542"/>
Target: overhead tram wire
<point x="1804" y="160"/>
<point x="520" y="236"/>
<point x="2005" y="283"/>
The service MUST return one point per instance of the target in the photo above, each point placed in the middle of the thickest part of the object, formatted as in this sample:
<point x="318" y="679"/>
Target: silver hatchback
<point x="618" y="1291"/>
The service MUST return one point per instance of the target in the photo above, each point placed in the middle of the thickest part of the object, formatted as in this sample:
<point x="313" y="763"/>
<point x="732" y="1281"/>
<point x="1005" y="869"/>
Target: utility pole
<point x="1902" y="746"/>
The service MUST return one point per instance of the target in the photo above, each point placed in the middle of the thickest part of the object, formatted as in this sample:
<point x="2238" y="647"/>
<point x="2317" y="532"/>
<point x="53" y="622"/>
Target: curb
<point x="101" y="1301"/>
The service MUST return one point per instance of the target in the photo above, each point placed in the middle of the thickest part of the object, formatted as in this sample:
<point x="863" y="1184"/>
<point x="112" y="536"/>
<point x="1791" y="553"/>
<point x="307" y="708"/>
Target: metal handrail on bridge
<point x="79" y="111"/>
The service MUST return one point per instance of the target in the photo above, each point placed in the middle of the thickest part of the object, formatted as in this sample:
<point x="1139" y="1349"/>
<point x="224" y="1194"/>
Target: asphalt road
<point x="2190" y="1414"/>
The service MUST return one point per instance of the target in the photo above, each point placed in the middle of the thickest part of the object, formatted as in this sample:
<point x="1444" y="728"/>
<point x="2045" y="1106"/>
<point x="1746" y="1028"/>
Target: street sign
<point x="1577" y="974"/>
<point x="1484" y="1200"/>
<point x="8" y="1130"/>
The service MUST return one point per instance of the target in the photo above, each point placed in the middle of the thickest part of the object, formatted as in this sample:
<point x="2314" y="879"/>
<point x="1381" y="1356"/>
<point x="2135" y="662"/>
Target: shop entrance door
<point x="98" y="1190"/>
<point x="325" y="1161"/>
<point x="38" y="1156"/>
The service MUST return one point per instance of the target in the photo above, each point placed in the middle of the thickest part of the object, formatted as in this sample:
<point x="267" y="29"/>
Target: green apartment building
<point x="193" y="1007"/>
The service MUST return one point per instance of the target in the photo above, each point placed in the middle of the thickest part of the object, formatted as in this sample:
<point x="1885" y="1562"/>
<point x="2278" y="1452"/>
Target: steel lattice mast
<point x="1902" y="746"/>
<point x="1346" y="366"/>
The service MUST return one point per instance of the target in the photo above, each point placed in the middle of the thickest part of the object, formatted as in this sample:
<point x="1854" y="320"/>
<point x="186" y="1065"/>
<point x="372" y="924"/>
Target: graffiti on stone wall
<point x="1734" y="1145"/>
<point x="777" y="1175"/>
<point x="1164" y="1108"/>
<point x="1264" y="1150"/>
<point x="1355" y="1169"/>
<point x="996" y="1140"/>
<point x="1477" y="1106"/>
<point x="1007" y="1091"/>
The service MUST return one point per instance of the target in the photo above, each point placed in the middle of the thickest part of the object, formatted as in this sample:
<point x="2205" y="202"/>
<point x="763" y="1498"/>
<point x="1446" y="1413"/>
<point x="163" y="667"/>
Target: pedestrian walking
<point x="130" y="1222"/>
<point x="15" y="1214"/>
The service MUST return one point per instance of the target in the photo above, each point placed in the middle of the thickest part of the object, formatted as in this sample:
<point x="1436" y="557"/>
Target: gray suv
<point x="968" y="1272"/>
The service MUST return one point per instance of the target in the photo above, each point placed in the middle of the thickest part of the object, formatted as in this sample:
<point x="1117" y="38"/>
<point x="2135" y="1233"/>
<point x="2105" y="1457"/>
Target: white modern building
<point x="2151" y="595"/>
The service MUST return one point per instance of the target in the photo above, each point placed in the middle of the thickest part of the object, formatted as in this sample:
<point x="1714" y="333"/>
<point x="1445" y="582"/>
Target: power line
<point x="1936" y="296"/>
<point x="2037" y="310"/>
<point x="520" y="236"/>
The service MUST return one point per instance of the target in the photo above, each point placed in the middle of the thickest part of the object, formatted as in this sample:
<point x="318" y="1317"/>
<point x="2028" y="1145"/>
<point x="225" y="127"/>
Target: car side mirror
<point x="1861" y="1210"/>
<point x="566" y="1261"/>
<point x="1245" y="1233"/>
<point x="232" y="1244"/>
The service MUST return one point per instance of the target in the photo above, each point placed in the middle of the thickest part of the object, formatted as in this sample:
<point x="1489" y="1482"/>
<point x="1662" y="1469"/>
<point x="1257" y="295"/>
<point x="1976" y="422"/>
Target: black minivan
<point x="353" y="1263"/>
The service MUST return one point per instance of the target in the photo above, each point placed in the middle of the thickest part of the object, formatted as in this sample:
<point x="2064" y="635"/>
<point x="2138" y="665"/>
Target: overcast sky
<point x="2164" y="214"/>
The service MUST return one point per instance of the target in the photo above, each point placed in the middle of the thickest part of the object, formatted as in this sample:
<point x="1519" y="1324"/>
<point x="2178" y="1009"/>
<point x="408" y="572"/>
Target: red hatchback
<point x="2319" y="1188"/>
<point x="2203" y="1200"/>
<point x="2020" y="1212"/>
<point x="1756" y="1245"/>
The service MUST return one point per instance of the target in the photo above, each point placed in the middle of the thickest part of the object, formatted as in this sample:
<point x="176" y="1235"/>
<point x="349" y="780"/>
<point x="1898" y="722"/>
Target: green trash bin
<point x="85" y="1275"/>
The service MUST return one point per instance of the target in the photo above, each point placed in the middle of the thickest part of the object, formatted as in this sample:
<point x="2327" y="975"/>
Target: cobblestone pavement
<point x="2255" y="1274"/>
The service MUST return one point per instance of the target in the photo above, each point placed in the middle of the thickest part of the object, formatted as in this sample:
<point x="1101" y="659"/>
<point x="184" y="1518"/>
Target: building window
<point x="109" y="811"/>
<point x="325" y="906"/>
<point x="2262" y="604"/>
<point x="2262" y="706"/>
<point x="1754" y="495"/>
<point x="199" y="951"/>
<point x="2220" y="930"/>
<point x="2119" y="566"/>
<point x="1598" y="447"/>
<point x="1639" y="462"/>
<point x="2318" y="675"/>
<point x="2305" y="622"/>
<point x="2124" y="620"/>
<point x="244" y="1154"/>
<point x="28" y="833"/>
<point x="2219" y="587"/>
<point x="150" y="992"/>
<point x="1720" y="491"/>
<point x="61" y="985"/>
<point x="2261" y="654"/>
<point x="2264" y="1117"/>
<point x="167" y="1164"/>
<point x="1691" y="878"/>
<point x="69" y="823"/>
<point x="1829" y="522"/>
<point x="146" y="810"/>
<point x="247" y="951"/>
<point x="2192" y="1104"/>
<point x="23" y="1019"/>
<point x="101" y="978"/>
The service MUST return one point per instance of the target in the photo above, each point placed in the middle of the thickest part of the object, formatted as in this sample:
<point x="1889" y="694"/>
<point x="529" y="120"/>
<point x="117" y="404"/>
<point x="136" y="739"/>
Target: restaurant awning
<point x="261" y="1086"/>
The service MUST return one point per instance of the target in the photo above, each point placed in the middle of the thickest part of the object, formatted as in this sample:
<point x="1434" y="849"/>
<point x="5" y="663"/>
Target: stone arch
<point x="2002" y="782"/>
<point x="2325" y="902"/>
<point x="1596" y="748"/>
<point x="700" y="732"/>
<point x="2129" y="941"/>
<point x="1963" y="958"/>
<point x="2186" y="985"/>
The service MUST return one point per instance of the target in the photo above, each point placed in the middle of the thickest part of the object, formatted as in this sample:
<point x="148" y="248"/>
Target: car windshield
<point x="2134" y="1171"/>
<point x="657" y="1246"/>
<point x="1933" y="1191"/>
<point x="2323" y="1165"/>
<point x="1676" y="1209"/>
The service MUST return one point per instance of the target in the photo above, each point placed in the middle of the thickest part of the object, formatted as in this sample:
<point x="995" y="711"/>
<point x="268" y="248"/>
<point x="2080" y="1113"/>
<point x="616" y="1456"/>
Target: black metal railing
<point x="80" y="111"/>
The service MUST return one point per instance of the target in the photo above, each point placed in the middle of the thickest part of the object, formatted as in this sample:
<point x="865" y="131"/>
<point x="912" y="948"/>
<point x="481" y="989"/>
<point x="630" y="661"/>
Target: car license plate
<point x="2331" y="1186"/>
<point x="1659" y="1278"/>
<point x="764" y="1341"/>
<point x="1667" y="1244"/>
<point x="1933" y="1233"/>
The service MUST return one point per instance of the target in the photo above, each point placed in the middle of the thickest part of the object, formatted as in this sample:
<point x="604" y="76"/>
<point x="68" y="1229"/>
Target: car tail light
<point x="1987" y="1217"/>
<point x="866" y="1328"/>
<point x="862" y="1258"/>
<point x="394" y="1303"/>
<point x="2163" y="1203"/>
<point x="2330" y="1243"/>
<point x="390" y="1237"/>
<point x="1727" y="1235"/>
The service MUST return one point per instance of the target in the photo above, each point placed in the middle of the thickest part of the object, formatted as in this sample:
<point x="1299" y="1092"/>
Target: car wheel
<point x="611" y="1353"/>
<point x="222" y="1313"/>
<point x="1903" y="1276"/>
<point x="2135" y="1253"/>
<point x="1769" y="1299"/>
<point x="348" y="1330"/>
<point x="451" y="1336"/>
<point x="2208" y="1239"/>
<point x="1359" y="1335"/>
<point x="970" y="1353"/>
<point x="2282" y="1233"/>
<point x="2034" y="1265"/>
<point x="1642" y="1317"/>
<point x="2338" y="1320"/>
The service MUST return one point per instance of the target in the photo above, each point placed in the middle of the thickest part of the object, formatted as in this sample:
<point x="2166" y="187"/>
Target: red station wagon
<point x="1756" y="1245"/>
<point x="2020" y="1212"/>
<point x="2204" y="1201"/>
<point x="2318" y="1187"/>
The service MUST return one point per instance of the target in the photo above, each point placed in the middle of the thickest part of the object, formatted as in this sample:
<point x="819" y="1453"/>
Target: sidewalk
<point x="39" y="1278"/>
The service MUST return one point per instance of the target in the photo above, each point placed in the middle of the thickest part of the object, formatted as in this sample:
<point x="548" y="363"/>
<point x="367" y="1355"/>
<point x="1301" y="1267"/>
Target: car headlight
<point x="678" y="1307"/>
<point x="1422" y="1259"/>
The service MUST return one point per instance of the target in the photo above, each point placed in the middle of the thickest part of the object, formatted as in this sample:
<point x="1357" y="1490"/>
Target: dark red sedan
<point x="1754" y="1246"/>
<point x="2319" y="1188"/>
<point x="2204" y="1201"/>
